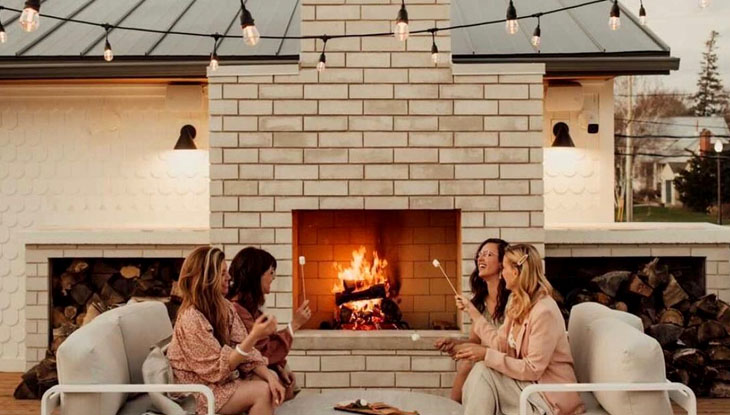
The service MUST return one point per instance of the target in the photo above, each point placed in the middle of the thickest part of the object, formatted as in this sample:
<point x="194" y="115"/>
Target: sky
<point x="685" y="27"/>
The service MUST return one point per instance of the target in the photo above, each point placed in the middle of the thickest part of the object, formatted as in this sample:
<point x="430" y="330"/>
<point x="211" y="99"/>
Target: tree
<point x="710" y="98"/>
<point x="697" y="184"/>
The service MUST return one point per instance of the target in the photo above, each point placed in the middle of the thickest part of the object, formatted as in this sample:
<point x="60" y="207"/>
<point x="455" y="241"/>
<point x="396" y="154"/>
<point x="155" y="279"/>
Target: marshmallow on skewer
<point x="415" y="337"/>
<point x="437" y="264"/>
<point x="302" y="261"/>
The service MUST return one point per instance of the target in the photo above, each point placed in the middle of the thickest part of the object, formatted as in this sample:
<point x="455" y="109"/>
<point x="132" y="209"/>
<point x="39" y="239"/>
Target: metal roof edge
<point x="123" y="67"/>
<point x="600" y="64"/>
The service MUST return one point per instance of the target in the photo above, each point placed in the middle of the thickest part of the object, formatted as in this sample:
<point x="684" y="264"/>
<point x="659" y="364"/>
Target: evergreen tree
<point x="697" y="184"/>
<point x="710" y="98"/>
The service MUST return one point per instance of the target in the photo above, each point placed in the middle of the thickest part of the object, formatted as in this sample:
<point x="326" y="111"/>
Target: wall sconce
<point x="561" y="131"/>
<point x="187" y="135"/>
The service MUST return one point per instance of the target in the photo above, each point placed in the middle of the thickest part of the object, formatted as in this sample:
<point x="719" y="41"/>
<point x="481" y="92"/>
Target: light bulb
<point x="718" y="146"/>
<point x="3" y="35"/>
<point x="512" y="25"/>
<point x="213" y="62"/>
<point x="30" y="19"/>
<point x="704" y="3"/>
<point x="642" y="15"/>
<point x="434" y="54"/>
<point x="322" y="65"/>
<point x="536" y="39"/>
<point x="614" y="22"/>
<point x="401" y="31"/>
<point x="108" y="54"/>
<point x="251" y="35"/>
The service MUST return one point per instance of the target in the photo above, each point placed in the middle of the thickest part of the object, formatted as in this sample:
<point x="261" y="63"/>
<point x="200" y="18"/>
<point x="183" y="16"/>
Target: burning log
<point x="376" y="291"/>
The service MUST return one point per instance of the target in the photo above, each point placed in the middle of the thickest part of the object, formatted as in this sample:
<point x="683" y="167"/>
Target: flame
<point x="360" y="275"/>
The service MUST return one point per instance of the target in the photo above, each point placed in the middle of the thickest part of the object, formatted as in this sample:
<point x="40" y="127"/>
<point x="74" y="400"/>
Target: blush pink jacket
<point x="542" y="355"/>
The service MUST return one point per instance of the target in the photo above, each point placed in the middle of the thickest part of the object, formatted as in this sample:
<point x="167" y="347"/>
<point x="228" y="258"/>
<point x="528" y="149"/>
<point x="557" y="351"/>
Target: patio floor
<point x="8" y="382"/>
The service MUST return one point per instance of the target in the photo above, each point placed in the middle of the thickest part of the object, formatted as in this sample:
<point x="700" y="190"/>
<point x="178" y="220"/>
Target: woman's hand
<point x="285" y="376"/>
<point x="445" y="345"/>
<point x="301" y="316"/>
<point x="463" y="304"/>
<point x="470" y="351"/>
<point x="264" y="326"/>
<point x="277" y="390"/>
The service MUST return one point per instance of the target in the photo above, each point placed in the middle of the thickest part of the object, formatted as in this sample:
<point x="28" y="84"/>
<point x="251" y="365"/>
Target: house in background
<point x="680" y="137"/>
<point x="88" y="170"/>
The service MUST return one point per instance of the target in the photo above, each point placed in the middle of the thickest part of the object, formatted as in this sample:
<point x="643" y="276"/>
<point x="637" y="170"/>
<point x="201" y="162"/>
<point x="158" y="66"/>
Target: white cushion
<point x="93" y="354"/>
<point x="581" y="315"/>
<point x="618" y="353"/>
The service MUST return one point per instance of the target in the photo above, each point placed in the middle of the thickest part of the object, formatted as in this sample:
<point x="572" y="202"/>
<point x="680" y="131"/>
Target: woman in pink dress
<point x="210" y="344"/>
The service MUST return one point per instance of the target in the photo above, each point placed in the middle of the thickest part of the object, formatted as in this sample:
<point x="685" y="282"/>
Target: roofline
<point x="140" y="67"/>
<point x="587" y="64"/>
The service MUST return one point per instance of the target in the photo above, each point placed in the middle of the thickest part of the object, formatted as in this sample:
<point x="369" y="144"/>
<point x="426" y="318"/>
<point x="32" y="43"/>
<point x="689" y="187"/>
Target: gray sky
<point x="685" y="27"/>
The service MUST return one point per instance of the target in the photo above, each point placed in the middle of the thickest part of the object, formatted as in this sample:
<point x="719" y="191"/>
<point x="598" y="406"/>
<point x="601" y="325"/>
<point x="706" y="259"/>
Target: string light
<point x="108" y="54"/>
<point x="401" y="31"/>
<point x="213" y="65"/>
<point x="251" y="34"/>
<point x="614" y="22"/>
<point x="3" y="35"/>
<point x="30" y="18"/>
<point x="322" y="64"/>
<point x="512" y="25"/>
<point x="704" y="3"/>
<point x="642" y="14"/>
<point x="434" y="48"/>
<point x="536" y="40"/>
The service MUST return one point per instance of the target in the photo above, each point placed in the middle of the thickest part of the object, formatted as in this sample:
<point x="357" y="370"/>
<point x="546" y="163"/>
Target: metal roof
<point x="67" y="49"/>
<point x="574" y="42"/>
<point x="578" y="42"/>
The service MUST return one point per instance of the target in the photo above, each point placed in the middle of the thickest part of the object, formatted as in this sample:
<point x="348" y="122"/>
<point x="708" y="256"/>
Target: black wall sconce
<point x="187" y="135"/>
<point x="561" y="131"/>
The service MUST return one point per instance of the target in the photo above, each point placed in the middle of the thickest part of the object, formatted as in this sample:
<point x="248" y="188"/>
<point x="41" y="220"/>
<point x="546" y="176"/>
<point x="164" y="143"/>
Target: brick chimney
<point x="706" y="141"/>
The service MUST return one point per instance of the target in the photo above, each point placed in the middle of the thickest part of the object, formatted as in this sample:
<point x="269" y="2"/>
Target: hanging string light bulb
<point x="512" y="25"/>
<point x="401" y="31"/>
<point x="434" y="48"/>
<point x="536" y="39"/>
<point x="642" y="14"/>
<point x="30" y="18"/>
<point x="213" y="65"/>
<point x="3" y="35"/>
<point x="614" y="21"/>
<point x="704" y="4"/>
<point x="108" y="54"/>
<point x="322" y="64"/>
<point x="251" y="34"/>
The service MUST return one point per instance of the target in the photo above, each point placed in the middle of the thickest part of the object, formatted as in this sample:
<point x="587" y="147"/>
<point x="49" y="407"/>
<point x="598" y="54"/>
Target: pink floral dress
<point x="196" y="356"/>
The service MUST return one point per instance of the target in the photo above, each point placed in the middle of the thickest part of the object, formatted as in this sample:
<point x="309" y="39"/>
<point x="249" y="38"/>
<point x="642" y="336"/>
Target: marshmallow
<point x="302" y="260"/>
<point x="415" y="337"/>
<point x="436" y="263"/>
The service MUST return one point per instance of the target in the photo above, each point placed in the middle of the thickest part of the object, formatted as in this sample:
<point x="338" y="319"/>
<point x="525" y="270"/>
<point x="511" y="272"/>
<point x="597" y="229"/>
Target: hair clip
<point x="522" y="260"/>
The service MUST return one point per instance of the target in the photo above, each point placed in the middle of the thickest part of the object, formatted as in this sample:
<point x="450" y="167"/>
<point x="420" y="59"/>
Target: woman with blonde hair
<point x="210" y="345"/>
<point x="530" y="346"/>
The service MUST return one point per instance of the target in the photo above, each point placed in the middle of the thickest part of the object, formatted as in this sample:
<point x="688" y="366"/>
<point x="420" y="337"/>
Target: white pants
<point x="489" y="392"/>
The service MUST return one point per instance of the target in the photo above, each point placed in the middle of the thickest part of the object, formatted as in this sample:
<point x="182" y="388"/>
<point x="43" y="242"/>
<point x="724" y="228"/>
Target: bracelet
<point x="291" y="330"/>
<point x="241" y="352"/>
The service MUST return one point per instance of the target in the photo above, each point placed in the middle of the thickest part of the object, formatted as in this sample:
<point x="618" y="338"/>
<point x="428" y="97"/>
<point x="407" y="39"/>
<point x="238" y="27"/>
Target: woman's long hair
<point x="246" y="269"/>
<point x="531" y="283"/>
<point x="479" y="287"/>
<point x="200" y="282"/>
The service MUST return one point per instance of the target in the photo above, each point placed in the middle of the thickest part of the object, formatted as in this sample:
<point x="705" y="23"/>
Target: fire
<point x="358" y="278"/>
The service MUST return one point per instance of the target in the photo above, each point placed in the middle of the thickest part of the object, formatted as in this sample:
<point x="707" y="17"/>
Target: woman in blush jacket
<point x="530" y="347"/>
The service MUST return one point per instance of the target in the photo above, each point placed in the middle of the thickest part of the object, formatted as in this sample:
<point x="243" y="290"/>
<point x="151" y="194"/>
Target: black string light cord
<point x="353" y="35"/>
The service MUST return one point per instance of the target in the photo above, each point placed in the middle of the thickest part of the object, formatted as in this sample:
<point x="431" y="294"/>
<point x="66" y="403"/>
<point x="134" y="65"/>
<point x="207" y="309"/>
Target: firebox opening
<point x="372" y="269"/>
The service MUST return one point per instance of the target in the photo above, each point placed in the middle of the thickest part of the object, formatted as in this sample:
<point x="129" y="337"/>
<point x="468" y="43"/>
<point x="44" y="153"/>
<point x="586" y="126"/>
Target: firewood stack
<point x="87" y="288"/>
<point x="694" y="332"/>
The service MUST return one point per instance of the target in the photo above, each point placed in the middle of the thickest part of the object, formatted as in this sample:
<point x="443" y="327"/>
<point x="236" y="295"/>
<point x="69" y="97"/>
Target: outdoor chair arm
<point x="678" y="392"/>
<point x="51" y="399"/>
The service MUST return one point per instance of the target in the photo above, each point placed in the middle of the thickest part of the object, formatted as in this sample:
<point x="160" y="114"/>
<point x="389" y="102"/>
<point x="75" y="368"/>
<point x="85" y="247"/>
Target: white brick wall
<point x="381" y="128"/>
<point x="92" y="156"/>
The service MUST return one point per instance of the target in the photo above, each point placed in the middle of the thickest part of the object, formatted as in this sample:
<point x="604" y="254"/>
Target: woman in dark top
<point x="253" y="270"/>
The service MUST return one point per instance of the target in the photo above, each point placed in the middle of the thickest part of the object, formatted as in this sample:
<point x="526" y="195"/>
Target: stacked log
<point x="86" y="288"/>
<point x="693" y="332"/>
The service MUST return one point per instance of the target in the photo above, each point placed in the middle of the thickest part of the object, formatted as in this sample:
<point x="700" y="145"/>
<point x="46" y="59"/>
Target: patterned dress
<point x="196" y="356"/>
